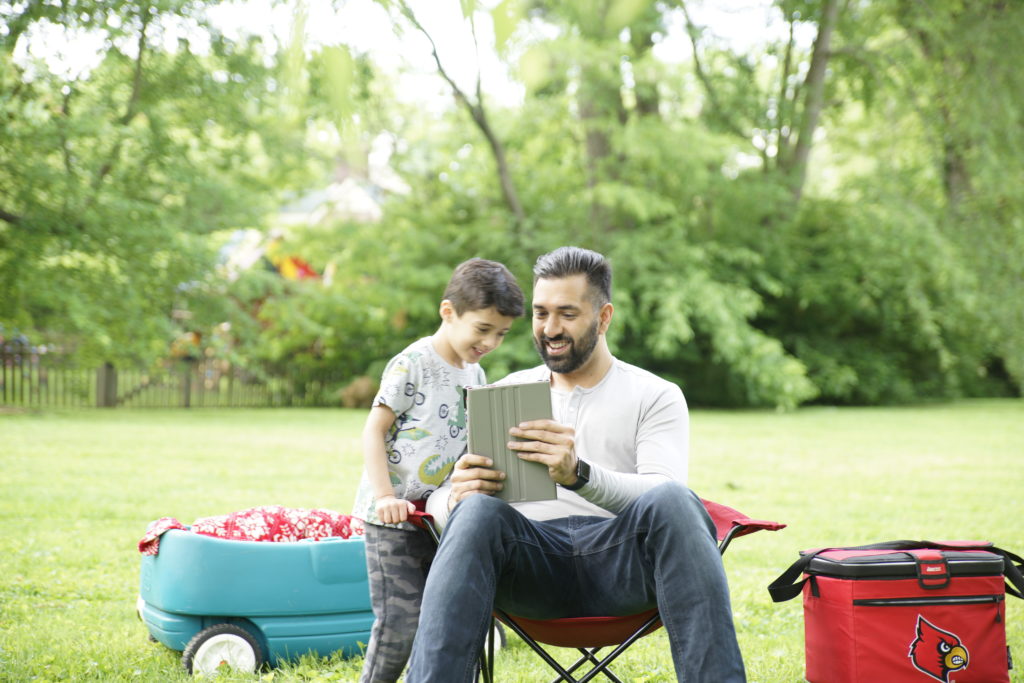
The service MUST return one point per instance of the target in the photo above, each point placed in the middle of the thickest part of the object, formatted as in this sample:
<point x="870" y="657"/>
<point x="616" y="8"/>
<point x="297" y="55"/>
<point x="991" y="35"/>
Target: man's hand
<point x="472" y="475"/>
<point x="391" y="510"/>
<point x="548" y="443"/>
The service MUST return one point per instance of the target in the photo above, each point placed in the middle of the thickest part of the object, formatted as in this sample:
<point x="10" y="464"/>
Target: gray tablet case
<point x="492" y="410"/>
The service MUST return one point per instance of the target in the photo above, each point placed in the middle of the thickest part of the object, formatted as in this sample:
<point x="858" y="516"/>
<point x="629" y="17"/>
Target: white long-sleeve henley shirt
<point x="633" y="430"/>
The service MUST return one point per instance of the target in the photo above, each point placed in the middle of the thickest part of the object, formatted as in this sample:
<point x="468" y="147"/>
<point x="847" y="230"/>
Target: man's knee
<point x="677" y="506"/>
<point x="478" y="514"/>
<point x="671" y="495"/>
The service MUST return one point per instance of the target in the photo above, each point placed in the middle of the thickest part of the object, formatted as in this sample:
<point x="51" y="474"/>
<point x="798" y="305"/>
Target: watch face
<point x="583" y="470"/>
<point x="582" y="476"/>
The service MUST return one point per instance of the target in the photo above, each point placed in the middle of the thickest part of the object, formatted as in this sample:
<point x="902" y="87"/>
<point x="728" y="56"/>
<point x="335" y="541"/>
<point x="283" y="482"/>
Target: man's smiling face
<point x="565" y="323"/>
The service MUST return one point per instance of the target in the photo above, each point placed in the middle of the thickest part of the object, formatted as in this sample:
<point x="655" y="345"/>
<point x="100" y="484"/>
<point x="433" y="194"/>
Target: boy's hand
<point x="549" y="443"/>
<point x="391" y="510"/>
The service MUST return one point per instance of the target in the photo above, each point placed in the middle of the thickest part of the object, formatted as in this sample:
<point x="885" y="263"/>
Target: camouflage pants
<point x="397" y="562"/>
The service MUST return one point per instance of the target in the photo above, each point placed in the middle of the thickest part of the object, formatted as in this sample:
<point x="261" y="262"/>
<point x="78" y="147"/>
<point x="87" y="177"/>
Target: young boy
<point x="415" y="432"/>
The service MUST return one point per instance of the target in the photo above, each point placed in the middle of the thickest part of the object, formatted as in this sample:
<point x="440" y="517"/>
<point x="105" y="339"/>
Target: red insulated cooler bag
<point x="905" y="611"/>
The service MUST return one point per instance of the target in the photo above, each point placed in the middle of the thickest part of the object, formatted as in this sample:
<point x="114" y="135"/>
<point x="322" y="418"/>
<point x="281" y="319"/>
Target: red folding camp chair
<point x="590" y="635"/>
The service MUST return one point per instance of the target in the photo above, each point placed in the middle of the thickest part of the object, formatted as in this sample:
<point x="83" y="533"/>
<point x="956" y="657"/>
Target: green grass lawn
<point x="78" y="488"/>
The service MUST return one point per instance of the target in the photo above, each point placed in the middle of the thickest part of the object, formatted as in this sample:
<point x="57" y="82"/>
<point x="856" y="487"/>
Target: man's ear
<point x="604" y="317"/>
<point x="447" y="310"/>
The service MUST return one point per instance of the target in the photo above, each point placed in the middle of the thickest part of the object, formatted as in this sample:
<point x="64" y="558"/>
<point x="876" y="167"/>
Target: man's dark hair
<point x="569" y="261"/>
<point x="478" y="283"/>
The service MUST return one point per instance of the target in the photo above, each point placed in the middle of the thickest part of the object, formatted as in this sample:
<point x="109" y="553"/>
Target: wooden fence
<point x="34" y="377"/>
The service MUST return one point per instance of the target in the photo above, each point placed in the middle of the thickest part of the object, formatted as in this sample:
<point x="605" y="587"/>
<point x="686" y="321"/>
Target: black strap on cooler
<point x="787" y="586"/>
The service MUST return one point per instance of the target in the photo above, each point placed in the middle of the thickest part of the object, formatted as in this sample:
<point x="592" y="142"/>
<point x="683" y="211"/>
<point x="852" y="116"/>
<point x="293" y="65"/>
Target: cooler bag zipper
<point x="995" y="599"/>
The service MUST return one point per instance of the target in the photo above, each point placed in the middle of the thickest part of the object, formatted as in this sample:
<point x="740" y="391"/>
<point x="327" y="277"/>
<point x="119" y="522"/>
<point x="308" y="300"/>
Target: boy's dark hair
<point x="569" y="261"/>
<point x="478" y="283"/>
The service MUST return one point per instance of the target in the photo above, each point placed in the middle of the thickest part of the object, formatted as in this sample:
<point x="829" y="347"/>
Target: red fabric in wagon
<point x="268" y="523"/>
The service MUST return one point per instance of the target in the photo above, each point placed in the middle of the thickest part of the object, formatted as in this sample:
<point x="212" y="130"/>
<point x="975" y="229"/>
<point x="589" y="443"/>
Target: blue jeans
<point x="660" y="551"/>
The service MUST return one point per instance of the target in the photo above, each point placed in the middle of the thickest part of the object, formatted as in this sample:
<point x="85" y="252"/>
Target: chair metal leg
<point x="600" y="665"/>
<point x="590" y="655"/>
<point x="485" y="664"/>
<point x="729" y="536"/>
<point x="541" y="652"/>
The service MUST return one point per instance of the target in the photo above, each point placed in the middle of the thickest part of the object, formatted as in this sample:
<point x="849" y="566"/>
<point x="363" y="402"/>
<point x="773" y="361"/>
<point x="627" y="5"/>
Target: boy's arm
<point x="390" y="510"/>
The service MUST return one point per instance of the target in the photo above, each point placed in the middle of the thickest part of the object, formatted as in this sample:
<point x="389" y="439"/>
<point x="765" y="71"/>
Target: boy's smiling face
<point x="472" y="335"/>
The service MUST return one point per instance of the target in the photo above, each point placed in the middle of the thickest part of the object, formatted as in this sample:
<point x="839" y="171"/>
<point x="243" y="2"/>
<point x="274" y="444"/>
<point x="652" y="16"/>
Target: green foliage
<point x="992" y="249"/>
<point x="973" y="109"/>
<point x="343" y="325"/>
<point x="881" y="307"/>
<point x="684" y="308"/>
<point x="935" y="148"/>
<point x="892" y="274"/>
<point x="110" y="181"/>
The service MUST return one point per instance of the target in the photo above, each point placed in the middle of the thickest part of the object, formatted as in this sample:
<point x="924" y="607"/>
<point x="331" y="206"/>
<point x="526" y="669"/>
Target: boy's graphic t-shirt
<point x="429" y="434"/>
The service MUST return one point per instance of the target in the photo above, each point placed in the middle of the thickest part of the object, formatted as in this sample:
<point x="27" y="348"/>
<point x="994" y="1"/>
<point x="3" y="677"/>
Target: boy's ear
<point x="447" y="310"/>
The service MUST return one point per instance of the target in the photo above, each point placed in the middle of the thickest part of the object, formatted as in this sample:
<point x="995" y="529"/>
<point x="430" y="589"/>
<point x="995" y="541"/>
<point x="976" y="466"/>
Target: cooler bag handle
<point x="787" y="587"/>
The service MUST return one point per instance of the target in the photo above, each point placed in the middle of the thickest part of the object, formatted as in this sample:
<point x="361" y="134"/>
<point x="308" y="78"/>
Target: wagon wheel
<point x="222" y="644"/>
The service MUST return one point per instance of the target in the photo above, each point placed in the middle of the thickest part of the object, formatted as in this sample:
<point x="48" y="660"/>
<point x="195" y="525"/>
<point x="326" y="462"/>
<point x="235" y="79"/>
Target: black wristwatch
<point x="582" y="475"/>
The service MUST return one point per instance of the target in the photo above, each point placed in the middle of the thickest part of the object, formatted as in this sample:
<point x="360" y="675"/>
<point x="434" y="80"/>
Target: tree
<point x="110" y="179"/>
<point x="476" y="108"/>
<point x="831" y="216"/>
<point x="968" y="101"/>
<point x="940" y="114"/>
<point x="722" y="269"/>
<point x="627" y="195"/>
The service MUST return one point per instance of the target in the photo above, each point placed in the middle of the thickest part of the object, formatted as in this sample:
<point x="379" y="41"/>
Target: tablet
<point x="491" y="411"/>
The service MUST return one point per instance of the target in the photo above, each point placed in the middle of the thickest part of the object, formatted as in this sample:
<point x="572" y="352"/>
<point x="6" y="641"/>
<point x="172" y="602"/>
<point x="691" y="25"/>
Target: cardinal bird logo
<point x="936" y="652"/>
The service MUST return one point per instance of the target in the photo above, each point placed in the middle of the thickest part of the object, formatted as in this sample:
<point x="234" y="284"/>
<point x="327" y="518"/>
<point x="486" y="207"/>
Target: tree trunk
<point x="641" y="37"/>
<point x="814" y="94"/>
<point x="479" y="115"/>
<point x="601" y="108"/>
<point x="956" y="176"/>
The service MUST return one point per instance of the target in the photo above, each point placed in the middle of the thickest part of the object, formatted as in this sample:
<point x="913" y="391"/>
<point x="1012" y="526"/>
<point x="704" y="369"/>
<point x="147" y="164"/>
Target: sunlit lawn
<point x="77" y="489"/>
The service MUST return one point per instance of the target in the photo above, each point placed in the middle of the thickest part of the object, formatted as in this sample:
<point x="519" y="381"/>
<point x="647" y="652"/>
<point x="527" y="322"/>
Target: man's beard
<point x="578" y="354"/>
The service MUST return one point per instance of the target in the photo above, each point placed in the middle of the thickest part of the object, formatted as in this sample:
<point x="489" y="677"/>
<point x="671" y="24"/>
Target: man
<point x="624" y="534"/>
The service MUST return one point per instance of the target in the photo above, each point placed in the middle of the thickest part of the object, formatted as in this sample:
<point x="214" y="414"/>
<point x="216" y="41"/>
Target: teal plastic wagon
<point x="245" y="603"/>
